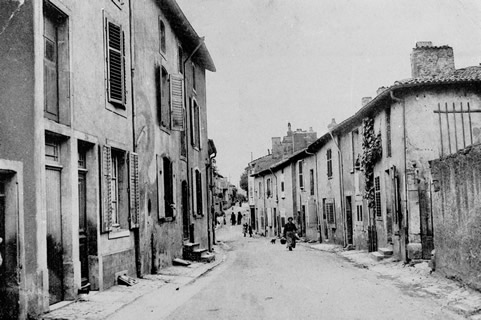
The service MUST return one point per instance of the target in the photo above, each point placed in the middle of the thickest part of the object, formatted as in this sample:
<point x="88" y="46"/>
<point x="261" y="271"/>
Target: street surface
<point x="260" y="280"/>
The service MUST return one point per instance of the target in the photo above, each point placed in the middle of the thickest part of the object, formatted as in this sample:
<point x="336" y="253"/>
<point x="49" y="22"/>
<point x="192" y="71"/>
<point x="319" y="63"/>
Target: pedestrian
<point x="250" y="231"/>
<point x="290" y="233"/>
<point x="245" y="229"/>
<point x="232" y="218"/>
<point x="239" y="218"/>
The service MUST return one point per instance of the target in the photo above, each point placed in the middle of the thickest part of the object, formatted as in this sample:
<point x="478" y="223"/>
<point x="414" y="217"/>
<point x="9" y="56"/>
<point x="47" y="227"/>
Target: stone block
<point x="415" y="251"/>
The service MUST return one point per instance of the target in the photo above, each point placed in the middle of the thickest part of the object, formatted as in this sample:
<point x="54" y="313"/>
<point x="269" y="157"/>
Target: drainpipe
<point x="406" y="212"/>
<point x="201" y="42"/>
<point x="136" y="231"/>
<point x="341" y="189"/>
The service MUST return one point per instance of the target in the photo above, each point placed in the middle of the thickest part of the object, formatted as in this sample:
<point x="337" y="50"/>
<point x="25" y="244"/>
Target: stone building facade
<point x="87" y="146"/>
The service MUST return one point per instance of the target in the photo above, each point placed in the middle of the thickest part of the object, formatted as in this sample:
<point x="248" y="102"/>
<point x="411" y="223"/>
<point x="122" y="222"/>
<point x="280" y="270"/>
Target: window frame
<point x="300" y="173"/>
<point x="377" y="197"/>
<point x="118" y="87"/>
<point x="162" y="37"/>
<point x="329" y="163"/>
<point x="312" y="184"/>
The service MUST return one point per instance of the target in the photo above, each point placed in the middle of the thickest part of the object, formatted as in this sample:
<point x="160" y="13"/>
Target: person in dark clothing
<point x="245" y="228"/>
<point x="250" y="231"/>
<point x="232" y="218"/>
<point x="239" y="218"/>
<point x="290" y="230"/>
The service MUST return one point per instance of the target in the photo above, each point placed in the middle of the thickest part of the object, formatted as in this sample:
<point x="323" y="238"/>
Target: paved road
<point x="260" y="280"/>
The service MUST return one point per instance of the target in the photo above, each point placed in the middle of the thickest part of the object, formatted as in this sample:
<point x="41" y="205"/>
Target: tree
<point x="243" y="183"/>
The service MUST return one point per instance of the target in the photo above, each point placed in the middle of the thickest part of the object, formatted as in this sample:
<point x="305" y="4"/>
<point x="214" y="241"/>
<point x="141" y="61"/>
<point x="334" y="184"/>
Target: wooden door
<point x="54" y="235"/>
<point x="185" y="211"/>
<point x="83" y="235"/>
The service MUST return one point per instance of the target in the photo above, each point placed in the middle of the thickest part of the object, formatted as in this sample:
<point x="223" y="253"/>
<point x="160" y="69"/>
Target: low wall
<point x="456" y="191"/>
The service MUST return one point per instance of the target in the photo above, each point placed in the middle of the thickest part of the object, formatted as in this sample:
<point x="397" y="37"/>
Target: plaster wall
<point x="456" y="205"/>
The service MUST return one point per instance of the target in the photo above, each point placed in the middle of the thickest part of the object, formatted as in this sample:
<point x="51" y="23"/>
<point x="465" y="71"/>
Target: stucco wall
<point x="456" y="206"/>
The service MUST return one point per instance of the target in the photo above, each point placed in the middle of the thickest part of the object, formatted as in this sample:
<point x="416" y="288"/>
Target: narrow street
<point x="260" y="280"/>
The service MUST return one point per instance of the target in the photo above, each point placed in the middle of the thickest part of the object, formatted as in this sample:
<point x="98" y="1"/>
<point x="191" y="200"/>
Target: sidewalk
<point x="100" y="305"/>
<point x="415" y="280"/>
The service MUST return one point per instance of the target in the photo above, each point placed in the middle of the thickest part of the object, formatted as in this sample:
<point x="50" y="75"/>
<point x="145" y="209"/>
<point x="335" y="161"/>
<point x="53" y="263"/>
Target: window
<point x="268" y="192"/>
<point x="194" y="84"/>
<point x="163" y="97"/>
<point x="388" y="131"/>
<point x="356" y="165"/>
<point x="377" y="197"/>
<point x="115" y="63"/>
<point x="55" y="62"/>
<point x="180" y="62"/>
<point x="162" y="36"/>
<point x="195" y="123"/>
<point x="198" y="193"/>
<point x="359" y="212"/>
<point x="168" y="188"/>
<point x="329" y="163"/>
<point x="311" y="174"/>
<point x="301" y="177"/>
<point x="120" y="183"/>
<point x="282" y="186"/>
<point x="329" y="211"/>
<point x="52" y="149"/>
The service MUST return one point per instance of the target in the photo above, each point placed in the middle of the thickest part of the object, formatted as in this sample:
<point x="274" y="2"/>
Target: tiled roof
<point x="467" y="74"/>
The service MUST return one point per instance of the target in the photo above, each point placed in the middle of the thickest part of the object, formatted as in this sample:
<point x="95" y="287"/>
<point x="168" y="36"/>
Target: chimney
<point x="332" y="124"/>
<point x="430" y="61"/>
<point x="365" y="100"/>
<point x="380" y="90"/>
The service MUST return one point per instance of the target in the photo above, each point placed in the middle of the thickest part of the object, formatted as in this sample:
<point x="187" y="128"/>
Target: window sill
<point x="119" y="233"/>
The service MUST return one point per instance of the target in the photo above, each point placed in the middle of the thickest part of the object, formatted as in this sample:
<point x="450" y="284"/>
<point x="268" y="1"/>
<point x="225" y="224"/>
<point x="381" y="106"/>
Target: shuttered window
<point x="163" y="97"/>
<point x="115" y="63"/>
<point x="329" y="163"/>
<point x="107" y="189"/>
<point x="377" y="194"/>
<point x="198" y="192"/>
<point x="177" y="101"/>
<point x="301" y="175"/>
<point x="329" y="211"/>
<point x="134" y="192"/>
<point x="168" y="188"/>
<point x="195" y="123"/>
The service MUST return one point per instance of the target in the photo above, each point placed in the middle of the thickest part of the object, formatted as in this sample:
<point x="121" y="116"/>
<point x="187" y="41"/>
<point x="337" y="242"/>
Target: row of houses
<point x="372" y="182"/>
<point x="105" y="162"/>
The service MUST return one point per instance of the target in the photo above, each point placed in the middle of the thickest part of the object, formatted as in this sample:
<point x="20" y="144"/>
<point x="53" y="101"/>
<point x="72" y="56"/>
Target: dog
<point x="273" y="240"/>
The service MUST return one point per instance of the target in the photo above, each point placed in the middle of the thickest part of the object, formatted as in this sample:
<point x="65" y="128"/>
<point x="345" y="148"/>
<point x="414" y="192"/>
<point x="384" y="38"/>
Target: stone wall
<point x="457" y="222"/>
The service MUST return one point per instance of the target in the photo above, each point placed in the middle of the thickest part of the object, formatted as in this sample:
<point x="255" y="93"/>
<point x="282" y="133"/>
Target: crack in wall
<point x="17" y="10"/>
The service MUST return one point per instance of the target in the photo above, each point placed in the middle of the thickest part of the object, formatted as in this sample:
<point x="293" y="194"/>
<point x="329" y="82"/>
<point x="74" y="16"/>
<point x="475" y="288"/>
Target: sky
<point x="308" y="61"/>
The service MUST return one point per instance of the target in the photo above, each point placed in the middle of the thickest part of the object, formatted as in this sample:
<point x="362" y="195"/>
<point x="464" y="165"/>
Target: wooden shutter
<point x="107" y="189"/>
<point x="134" y="190"/>
<point x="160" y="188"/>
<point x="330" y="211"/>
<point x="177" y="101"/>
<point x="115" y="63"/>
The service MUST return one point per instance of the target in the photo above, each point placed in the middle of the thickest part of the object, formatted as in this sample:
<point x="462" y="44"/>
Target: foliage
<point x="243" y="183"/>
<point x="371" y="153"/>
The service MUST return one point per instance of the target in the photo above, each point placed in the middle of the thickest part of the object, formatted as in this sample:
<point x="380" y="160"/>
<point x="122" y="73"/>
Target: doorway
<point x="349" y="220"/>
<point x="185" y="211"/>
<point x="54" y="234"/>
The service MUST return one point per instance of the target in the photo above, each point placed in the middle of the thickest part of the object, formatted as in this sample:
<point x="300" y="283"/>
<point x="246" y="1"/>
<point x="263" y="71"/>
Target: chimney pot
<point x="365" y="100"/>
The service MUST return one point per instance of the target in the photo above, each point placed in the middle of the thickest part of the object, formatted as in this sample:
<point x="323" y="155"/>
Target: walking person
<point x="290" y="230"/>
<point x="239" y="218"/>
<point x="232" y="218"/>
<point x="250" y="231"/>
<point x="245" y="229"/>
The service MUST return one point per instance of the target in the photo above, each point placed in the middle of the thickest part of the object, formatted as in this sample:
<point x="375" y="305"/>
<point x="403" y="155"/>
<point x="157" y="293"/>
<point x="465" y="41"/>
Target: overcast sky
<point x="308" y="61"/>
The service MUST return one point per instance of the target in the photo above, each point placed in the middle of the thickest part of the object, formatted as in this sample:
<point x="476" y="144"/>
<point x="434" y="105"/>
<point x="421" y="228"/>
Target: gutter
<point x="406" y="212"/>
